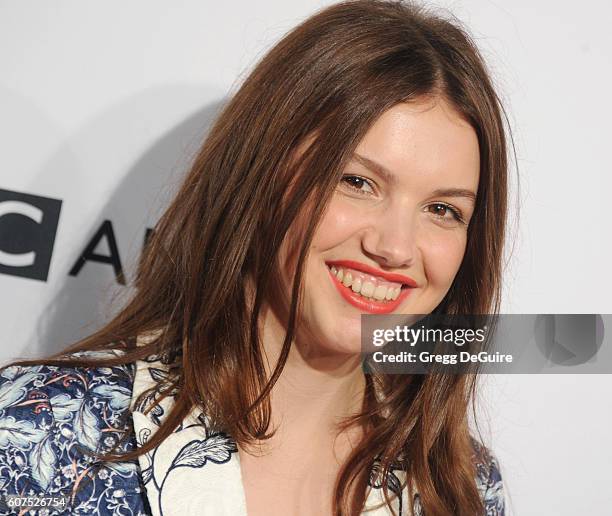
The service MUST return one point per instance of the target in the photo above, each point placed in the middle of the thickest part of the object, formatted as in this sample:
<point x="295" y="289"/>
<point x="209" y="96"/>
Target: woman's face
<point x="394" y="234"/>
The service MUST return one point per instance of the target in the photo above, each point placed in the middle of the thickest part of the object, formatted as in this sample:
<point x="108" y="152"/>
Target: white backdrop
<point x="103" y="103"/>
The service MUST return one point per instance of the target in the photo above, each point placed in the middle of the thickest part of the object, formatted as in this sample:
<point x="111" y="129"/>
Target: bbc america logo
<point x="28" y="227"/>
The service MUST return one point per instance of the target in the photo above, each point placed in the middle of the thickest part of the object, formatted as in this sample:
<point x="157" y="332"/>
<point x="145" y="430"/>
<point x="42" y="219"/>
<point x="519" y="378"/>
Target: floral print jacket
<point x="52" y="418"/>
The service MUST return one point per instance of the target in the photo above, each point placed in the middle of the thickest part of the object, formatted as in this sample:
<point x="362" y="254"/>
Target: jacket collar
<point x="194" y="470"/>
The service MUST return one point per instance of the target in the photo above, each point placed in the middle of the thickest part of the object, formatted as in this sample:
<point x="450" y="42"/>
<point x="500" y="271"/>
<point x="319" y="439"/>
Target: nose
<point x="390" y="239"/>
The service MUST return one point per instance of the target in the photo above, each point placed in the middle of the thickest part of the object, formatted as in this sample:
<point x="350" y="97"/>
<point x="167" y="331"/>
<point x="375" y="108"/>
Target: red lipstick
<point x="389" y="276"/>
<point x="372" y="306"/>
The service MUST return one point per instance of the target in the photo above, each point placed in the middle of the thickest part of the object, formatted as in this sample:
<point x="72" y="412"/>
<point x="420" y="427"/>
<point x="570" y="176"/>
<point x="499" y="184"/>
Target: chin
<point x="337" y="344"/>
<point x="347" y="349"/>
<point x="348" y="343"/>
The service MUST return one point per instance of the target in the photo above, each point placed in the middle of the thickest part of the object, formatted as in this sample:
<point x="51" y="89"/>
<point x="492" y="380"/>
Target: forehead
<point x="424" y="142"/>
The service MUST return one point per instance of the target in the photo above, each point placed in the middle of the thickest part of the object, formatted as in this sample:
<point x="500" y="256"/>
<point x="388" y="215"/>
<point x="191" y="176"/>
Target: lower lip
<point x="373" y="307"/>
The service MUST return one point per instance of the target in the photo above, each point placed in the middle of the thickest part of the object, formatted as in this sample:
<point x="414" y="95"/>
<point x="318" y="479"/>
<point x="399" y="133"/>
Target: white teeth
<point x="348" y="279"/>
<point x="366" y="288"/>
<point x="380" y="292"/>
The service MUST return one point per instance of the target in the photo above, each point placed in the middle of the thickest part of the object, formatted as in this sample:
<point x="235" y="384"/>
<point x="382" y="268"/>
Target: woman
<point x="360" y="168"/>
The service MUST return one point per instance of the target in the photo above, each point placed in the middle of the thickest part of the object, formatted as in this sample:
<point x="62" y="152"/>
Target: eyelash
<point x="456" y="213"/>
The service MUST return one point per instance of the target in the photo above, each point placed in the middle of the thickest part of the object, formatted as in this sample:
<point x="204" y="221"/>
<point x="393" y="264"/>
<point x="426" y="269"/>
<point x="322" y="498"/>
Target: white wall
<point x="103" y="103"/>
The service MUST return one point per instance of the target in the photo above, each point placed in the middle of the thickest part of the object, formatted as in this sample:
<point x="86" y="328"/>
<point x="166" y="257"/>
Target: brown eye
<point x="359" y="184"/>
<point x="445" y="212"/>
<point x="440" y="209"/>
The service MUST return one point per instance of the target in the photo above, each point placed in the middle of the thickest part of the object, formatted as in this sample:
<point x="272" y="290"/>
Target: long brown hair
<point x="324" y="83"/>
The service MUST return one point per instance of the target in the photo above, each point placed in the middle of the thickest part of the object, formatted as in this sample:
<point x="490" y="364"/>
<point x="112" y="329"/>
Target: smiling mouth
<point x="366" y="286"/>
<point x="367" y="292"/>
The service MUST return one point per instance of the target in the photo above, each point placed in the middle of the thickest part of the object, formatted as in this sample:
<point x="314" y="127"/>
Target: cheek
<point x="442" y="258"/>
<point x="338" y="223"/>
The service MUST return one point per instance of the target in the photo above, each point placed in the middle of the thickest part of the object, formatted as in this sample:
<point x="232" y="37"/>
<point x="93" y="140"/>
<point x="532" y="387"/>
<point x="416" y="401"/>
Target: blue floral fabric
<point x="53" y="418"/>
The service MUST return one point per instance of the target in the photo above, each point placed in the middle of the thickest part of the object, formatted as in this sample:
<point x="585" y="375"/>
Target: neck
<point x="317" y="388"/>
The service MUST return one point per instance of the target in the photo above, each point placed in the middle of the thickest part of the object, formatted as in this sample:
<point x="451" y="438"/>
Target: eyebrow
<point x="392" y="179"/>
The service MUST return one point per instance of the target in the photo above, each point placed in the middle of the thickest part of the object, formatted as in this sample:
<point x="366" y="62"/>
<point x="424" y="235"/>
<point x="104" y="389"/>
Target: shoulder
<point x="53" y="419"/>
<point x="28" y="392"/>
<point x="489" y="480"/>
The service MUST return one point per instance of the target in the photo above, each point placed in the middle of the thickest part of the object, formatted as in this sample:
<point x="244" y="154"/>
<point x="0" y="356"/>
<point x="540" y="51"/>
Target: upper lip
<point x="389" y="276"/>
